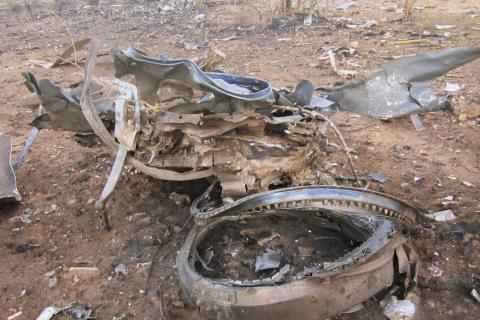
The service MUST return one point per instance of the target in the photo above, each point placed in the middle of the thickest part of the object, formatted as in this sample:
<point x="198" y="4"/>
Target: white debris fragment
<point x="474" y="293"/>
<point x="308" y="20"/>
<point x="435" y="271"/>
<point x="121" y="269"/>
<point x="166" y="7"/>
<point x="452" y="87"/>
<point x="445" y="215"/>
<point x="445" y="26"/>
<point x="468" y="184"/>
<point x="199" y="17"/>
<point x="448" y="198"/>
<point x="15" y="315"/>
<point x="399" y="309"/>
<point x="48" y="313"/>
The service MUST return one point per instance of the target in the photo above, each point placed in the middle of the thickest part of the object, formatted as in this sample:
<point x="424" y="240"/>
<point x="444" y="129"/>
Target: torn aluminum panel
<point x="322" y="289"/>
<point x="8" y="182"/>
<point x="62" y="107"/>
<point x="400" y="87"/>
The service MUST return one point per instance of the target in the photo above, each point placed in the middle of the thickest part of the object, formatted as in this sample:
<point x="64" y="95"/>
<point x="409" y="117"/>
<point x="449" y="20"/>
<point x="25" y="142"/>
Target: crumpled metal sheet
<point x="318" y="292"/>
<point x="184" y="75"/>
<point x="62" y="106"/>
<point x="8" y="183"/>
<point x="400" y="87"/>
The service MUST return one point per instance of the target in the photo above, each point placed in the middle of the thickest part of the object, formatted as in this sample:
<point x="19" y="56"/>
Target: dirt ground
<point x="60" y="179"/>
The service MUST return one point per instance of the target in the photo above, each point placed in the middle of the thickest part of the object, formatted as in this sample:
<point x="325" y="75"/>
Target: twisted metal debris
<point x="322" y="290"/>
<point x="8" y="182"/>
<point x="191" y="124"/>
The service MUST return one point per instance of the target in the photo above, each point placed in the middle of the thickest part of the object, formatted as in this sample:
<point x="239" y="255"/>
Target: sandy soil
<point x="59" y="178"/>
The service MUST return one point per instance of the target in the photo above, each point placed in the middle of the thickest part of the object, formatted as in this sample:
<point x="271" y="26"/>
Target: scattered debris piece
<point x="49" y="312"/>
<point x="452" y="87"/>
<point x="76" y="310"/>
<point x="79" y="311"/>
<point x="83" y="273"/>
<point x="474" y="293"/>
<point x="468" y="184"/>
<point x="15" y="315"/>
<point x="270" y="259"/>
<point x="190" y="45"/>
<point x="445" y="26"/>
<point x="22" y="247"/>
<point x="307" y="21"/>
<point x="8" y="180"/>
<point x="417" y="179"/>
<point x="63" y="57"/>
<point x="379" y="177"/>
<point x="435" y="271"/>
<point x="120" y="269"/>
<point x="399" y="309"/>
<point x="446" y="215"/>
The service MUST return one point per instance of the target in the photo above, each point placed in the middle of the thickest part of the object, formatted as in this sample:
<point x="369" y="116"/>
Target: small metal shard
<point x="8" y="183"/>
<point x="270" y="259"/>
<point x="28" y="144"/>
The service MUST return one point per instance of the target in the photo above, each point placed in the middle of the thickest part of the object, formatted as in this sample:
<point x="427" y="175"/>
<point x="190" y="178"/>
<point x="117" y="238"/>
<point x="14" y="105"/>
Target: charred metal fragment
<point x="321" y="289"/>
<point x="207" y="120"/>
<point x="8" y="182"/>
<point x="400" y="87"/>
<point x="62" y="106"/>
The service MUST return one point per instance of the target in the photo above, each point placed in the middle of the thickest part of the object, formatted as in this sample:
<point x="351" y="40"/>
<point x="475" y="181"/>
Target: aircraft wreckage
<point x="180" y="123"/>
